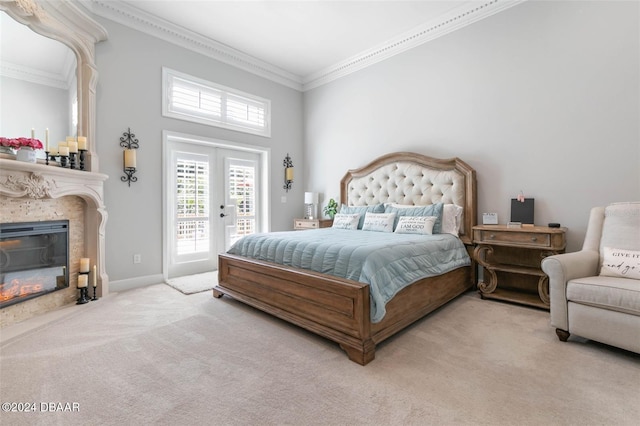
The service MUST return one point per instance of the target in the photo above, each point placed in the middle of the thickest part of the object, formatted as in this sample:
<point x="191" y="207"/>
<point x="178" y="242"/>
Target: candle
<point x="84" y="264"/>
<point x="53" y="151"/>
<point x="95" y="275"/>
<point x="73" y="146"/>
<point x="46" y="139"/>
<point x="288" y="173"/>
<point x="82" y="281"/>
<point x="64" y="150"/>
<point x="82" y="142"/>
<point x="130" y="158"/>
<point x="33" y="133"/>
<point x="70" y="139"/>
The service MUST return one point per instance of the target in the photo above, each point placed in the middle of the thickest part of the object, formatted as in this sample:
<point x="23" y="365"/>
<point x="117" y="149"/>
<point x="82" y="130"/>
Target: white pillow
<point x="452" y="219"/>
<point x="379" y="222"/>
<point x="346" y="221"/>
<point x="415" y="225"/>
<point x="621" y="263"/>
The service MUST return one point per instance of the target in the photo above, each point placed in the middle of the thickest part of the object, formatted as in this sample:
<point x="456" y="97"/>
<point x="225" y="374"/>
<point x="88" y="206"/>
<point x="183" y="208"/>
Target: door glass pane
<point x="192" y="206"/>
<point x="242" y="192"/>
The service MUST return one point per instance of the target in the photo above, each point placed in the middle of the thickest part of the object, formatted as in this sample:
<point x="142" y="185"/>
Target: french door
<point x="212" y="198"/>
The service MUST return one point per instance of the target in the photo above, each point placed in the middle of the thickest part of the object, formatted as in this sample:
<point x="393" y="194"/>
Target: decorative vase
<point x="7" y="150"/>
<point x="26" y="154"/>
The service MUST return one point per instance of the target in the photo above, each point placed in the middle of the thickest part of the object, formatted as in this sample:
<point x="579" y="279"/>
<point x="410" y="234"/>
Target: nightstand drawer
<point x="306" y="224"/>
<point x="302" y="224"/>
<point x="521" y="238"/>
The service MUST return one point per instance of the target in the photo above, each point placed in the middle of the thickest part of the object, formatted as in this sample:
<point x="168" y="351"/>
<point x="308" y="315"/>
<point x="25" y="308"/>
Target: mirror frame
<point x="65" y="22"/>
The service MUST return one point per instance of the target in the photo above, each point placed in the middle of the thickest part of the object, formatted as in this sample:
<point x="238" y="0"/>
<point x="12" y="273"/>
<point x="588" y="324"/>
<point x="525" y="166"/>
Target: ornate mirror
<point x="39" y="86"/>
<point x="68" y="37"/>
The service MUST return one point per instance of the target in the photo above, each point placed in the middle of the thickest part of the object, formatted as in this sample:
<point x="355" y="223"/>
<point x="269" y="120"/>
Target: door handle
<point x="222" y="215"/>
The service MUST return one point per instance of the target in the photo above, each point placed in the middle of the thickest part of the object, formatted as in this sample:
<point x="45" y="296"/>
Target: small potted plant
<point x="331" y="208"/>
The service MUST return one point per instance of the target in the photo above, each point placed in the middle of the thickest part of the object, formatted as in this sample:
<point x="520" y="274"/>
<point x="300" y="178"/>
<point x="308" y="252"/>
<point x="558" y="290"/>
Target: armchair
<point x="595" y="292"/>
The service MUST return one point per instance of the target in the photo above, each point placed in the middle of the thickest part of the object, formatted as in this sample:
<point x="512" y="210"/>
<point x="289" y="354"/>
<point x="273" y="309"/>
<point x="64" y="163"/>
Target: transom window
<point x="189" y="98"/>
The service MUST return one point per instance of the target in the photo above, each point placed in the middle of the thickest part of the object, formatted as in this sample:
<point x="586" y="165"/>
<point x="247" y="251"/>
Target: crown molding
<point x="460" y="17"/>
<point x="32" y="75"/>
<point x="132" y="17"/>
<point x="137" y="19"/>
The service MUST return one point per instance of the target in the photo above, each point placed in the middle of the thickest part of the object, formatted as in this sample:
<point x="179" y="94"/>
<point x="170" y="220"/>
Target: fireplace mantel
<point x="36" y="181"/>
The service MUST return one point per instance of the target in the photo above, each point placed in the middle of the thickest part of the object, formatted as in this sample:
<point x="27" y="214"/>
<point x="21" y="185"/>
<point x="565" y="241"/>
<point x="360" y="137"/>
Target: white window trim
<point x="167" y="76"/>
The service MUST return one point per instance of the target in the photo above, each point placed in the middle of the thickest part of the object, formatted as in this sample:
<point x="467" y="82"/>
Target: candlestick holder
<point x="72" y="160"/>
<point x="84" y="291"/>
<point x="82" y="158"/>
<point x="84" y="296"/>
<point x="52" y="158"/>
<point x="63" y="160"/>
<point x="46" y="158"/>
<point x="94" y="294"/>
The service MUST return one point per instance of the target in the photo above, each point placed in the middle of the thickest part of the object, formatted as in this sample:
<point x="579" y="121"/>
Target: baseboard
<point x="131" y="283"/>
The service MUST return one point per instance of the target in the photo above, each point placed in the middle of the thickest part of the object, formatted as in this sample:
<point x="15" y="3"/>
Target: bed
<point x="339" y="309"/>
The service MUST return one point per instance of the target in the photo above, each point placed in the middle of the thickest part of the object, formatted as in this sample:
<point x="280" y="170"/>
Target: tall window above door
<point x="189" y="98"/>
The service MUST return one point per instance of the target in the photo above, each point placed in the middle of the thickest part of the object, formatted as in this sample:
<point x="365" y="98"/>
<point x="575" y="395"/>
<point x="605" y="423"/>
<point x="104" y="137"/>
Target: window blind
<point x="192" y="206"/>
<point x="192" y="99"/>
<point x="242" y="189"/>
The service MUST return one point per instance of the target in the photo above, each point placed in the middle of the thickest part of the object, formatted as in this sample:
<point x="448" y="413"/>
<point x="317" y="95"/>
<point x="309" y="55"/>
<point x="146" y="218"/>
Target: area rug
<point x="197" y="283"/>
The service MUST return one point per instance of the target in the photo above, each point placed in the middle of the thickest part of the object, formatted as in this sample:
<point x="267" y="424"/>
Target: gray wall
<point x="542" y="98"/>
<point x="27" y="106"/>
<point x="129" y="95"/>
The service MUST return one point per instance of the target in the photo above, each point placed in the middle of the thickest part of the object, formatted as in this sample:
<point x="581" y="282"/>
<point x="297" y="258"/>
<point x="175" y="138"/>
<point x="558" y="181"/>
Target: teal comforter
<point x="388" y="262"/>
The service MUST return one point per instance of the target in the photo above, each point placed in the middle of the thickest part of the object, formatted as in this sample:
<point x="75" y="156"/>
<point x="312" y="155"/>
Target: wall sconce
<point x="288" y="172"/>
<point x="129" y="141"/>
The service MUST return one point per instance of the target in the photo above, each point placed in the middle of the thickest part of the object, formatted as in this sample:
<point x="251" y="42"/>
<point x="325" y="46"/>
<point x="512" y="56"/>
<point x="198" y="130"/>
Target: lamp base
<point x="310" y="211"/>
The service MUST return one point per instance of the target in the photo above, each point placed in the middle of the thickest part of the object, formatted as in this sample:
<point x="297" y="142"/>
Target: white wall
<point x="543" y="97"/>
<point x="129" y="95"/>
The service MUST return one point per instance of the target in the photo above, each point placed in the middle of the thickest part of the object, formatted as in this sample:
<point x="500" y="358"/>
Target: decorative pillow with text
<point x="362" y="211"/>
<point x="346" y="221"/>
<point x="430" y="210"/>
<point x="379" y="222"/>
<point x="620" y="263"/>
<point x="415" y="225"/>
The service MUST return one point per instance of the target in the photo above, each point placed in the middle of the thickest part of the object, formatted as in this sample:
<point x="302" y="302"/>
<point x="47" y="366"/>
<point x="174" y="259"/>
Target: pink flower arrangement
<point x="17" y="143"/>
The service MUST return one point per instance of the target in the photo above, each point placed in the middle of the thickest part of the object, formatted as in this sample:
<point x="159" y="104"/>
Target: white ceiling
<point x="299" y="43"/>
<point x="301" y="37"/>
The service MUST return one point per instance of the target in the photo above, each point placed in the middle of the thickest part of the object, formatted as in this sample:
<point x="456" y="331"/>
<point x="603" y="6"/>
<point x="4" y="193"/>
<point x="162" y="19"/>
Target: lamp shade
<point x="311" y="198"/>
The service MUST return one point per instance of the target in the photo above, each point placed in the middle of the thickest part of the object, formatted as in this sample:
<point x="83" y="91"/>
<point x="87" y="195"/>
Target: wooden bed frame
<point x="336" y="308"/>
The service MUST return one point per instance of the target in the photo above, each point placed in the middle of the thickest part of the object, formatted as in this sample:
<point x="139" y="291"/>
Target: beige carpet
<point x="196" y="283"/>
<point x="155" y="356"/>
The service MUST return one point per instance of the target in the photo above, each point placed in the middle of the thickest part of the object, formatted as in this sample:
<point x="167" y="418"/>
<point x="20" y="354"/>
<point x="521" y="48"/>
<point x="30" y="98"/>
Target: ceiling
<point x="299" y="43"/>
<point x="301" y="37"/>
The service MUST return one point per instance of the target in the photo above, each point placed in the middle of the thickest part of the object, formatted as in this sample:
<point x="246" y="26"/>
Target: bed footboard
<point x="334" y="308"/>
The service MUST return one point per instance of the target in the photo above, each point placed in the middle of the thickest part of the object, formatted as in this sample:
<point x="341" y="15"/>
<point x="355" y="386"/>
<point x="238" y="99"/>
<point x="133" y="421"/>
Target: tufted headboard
<point x="414" y="179"/>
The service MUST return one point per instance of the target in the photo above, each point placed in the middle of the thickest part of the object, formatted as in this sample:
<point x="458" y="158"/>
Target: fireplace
<point x="34" y="260"/>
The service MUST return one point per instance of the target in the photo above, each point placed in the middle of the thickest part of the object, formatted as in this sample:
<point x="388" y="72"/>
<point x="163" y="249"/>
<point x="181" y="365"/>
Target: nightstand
<point x="511" y="257"/>
<point x="299" y="224"/>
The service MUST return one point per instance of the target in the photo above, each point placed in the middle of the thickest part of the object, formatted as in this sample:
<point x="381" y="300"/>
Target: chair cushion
<point x="615" y="294"/>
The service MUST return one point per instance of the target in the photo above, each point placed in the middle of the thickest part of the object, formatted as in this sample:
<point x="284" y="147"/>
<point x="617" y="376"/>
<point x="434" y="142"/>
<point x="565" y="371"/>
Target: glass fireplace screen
<point x="33" y="259"/>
